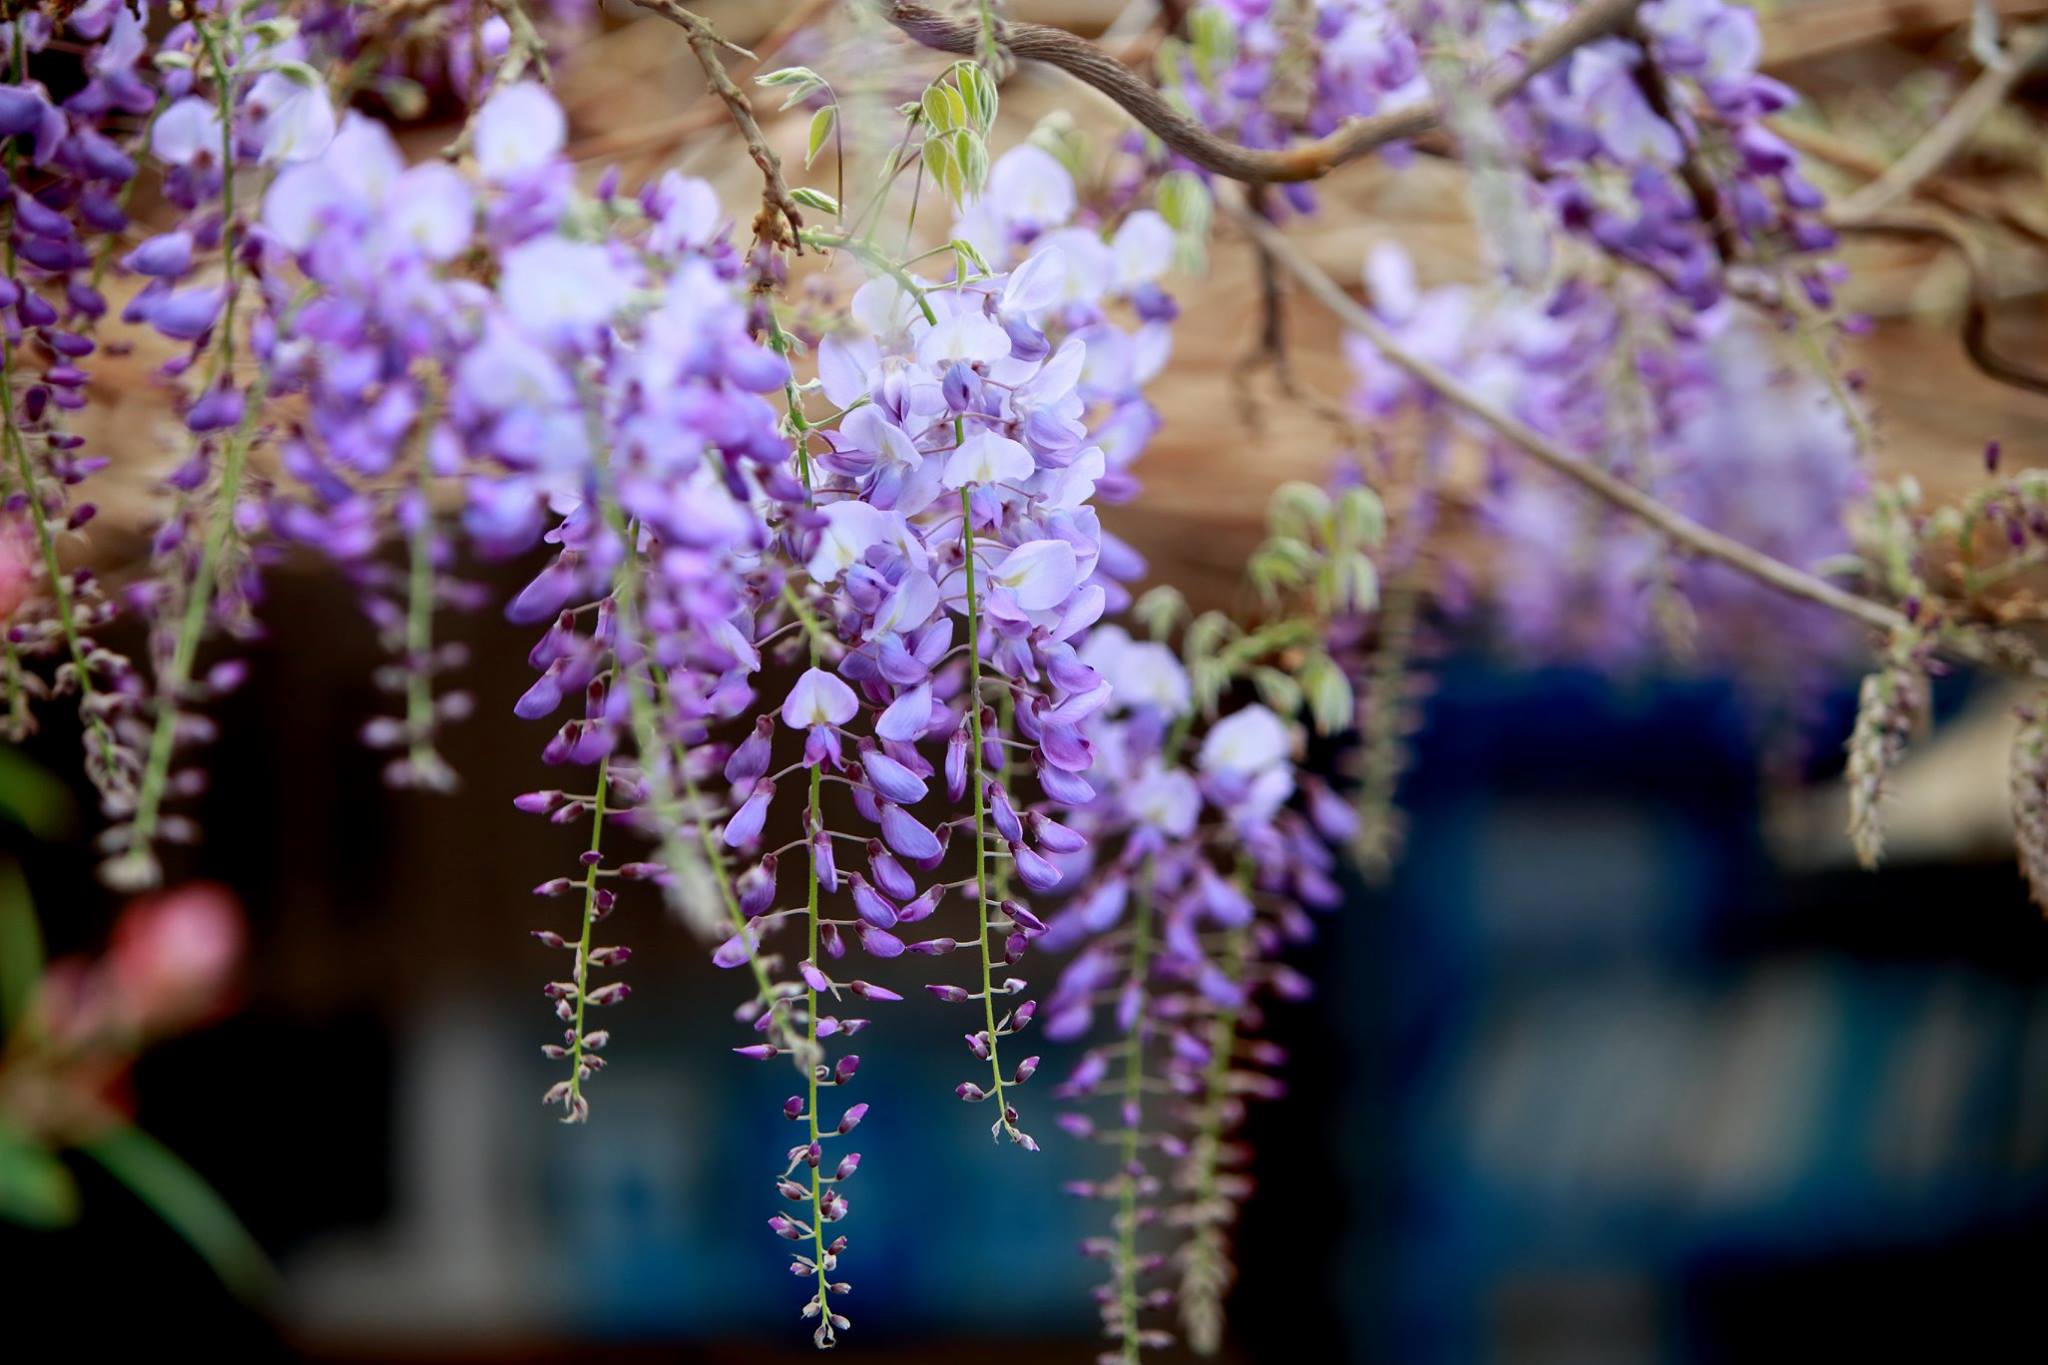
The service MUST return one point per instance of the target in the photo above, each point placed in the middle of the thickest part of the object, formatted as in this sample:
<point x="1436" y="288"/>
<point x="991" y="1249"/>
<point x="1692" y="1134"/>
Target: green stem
<point x="815" y="821"/>
<point x="199" y="597"/>
<point x="1204" y="1263"/>
<point x="1222" y="1043"/>
<point x="1131" y="1112"/>
<point x="646" y="721"/>
<point x="46" y="538"/>
<point x="814" y="629"/>
<point x="714" y="854"/>
<point x="1383" y="750"/>
<point x="988" y="998"/>
<point x="419" y="628"/>
<point x="198" y="600"/>
<point x="830" y="241"/>
<point x="590" y="875"/>
<point x="813" y="1065"/>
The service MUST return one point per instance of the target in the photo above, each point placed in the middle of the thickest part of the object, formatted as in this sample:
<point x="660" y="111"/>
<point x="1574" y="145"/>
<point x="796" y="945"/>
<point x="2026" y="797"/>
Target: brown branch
<point x="779" y="221"/>
<point x="1675" y="525"/>
<point x="1968" y="200"/>
<point x="1951" y="130"/>
<point x="1929" y="226"/>
<point x="661" y="134"/>
<point x="1706" y="196"/>
<point x="1309" y="160"/>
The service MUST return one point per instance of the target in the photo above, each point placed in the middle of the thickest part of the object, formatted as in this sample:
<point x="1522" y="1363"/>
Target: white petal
<point x="1142" y="249"/>
<point x="1035" y="285"/>
<point x="518" y="129"/>
<point x="987" y="459"/>
<point x="969" y="337"/>
<point x="1039" y="573"/>
<point x="186" y="131"/>
<point x="818" y="698"/>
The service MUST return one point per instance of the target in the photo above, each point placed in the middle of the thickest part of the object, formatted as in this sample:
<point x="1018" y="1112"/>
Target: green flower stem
<point x="590" y="878"/>
<point x="1384" y="751"/>
<point x="814" y="629"/>
<point x="198" y="600"/>
<point x="813" y="1064"/>
<point x="813" y="1061"/>
<point x="981" y="879"/>
<point x="646" y="720"/>
<point x="833" y="241"/>
<point x="46" y="537"/>
<point x="199" y="597"/>
<point x="1131" y="1111"/>
<point x="419" y="627"/>
<point x="1202" y="1280"/>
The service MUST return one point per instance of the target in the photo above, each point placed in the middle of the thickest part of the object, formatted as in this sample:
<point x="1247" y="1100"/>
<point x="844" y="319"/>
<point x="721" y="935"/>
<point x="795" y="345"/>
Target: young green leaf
<point x="821" y="129"/>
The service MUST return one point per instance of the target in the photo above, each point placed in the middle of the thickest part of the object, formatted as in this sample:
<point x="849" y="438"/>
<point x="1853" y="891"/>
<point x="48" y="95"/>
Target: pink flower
<point x="172" y="954"/>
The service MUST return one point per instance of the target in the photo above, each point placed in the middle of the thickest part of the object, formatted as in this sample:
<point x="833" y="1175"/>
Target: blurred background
<point x="1625" y="1062"/>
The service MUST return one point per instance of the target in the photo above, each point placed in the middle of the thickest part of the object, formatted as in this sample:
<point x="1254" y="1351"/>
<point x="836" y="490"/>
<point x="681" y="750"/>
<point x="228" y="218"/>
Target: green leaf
<point x="983" y="98"/>
<point x="21" y="947"/>
<point x="1330" y="700"/>
<point x="407" y="97"/>
<point x="298" y="73"/>
<point x="1209" y="678"/>
<point x="1360" y="515"/>
<point x="1167" y="59"/>
<point x="1280" y="564"/>
<point x="939" y="161"/>
<point x="974" y="163"/>
<point x="962" y="75"/>
<point x="1183" y="201"/>
<point x="1358" y="583"/>
<point x="821" y="129"/>
<point x="1215" y="38"/>
<point x="815" y="199"/>
<point x="938" y="115"/>
<point x="801" y="81"/>
<point x="1298" y="511"/>
<point x="1160" y="609"/>
<point x="181" y="1197"/>
<point x="274" y="31"/>
<point x="967" y="251"/>
<point x="1277" y="690"/>
<point x="1206" y="634"/>
<point x="35" y="1188"/>
<point x="33" y="799"/>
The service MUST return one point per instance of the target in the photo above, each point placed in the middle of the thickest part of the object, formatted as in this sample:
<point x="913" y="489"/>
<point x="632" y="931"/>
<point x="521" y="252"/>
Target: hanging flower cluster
<point x="1207" y="842"/>
<point x="1651" y="144"/>
<point x="1702" y="412"/>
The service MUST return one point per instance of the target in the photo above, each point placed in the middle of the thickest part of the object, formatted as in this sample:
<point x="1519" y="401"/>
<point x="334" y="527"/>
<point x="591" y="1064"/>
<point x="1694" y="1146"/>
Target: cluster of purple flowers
<point x="1205" y="843"/>
<point x="480" y="356"/>
<point x="1703" y="410"/>
<point x="1654" y="147"/>
<point x="1651" y="145"/>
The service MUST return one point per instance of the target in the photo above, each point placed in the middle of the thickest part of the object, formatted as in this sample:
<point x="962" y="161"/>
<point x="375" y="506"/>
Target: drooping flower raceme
<point x="1702" y="414"/>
